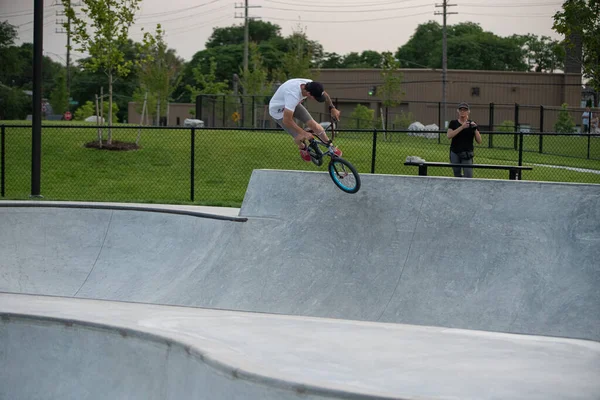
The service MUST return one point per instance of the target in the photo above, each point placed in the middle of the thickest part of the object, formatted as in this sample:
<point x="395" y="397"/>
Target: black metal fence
<point x="228" y="111"/>
<point x="212" y="166"/>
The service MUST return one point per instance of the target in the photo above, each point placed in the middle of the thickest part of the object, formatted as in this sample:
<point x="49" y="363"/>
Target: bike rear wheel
<point x="344" y="175"/>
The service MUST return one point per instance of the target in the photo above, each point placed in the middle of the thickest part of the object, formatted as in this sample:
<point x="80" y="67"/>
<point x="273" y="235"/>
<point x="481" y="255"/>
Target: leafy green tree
<point x="8" y="34"/>
<point x="363" y="116"/>
<point x="299" y="56"/>
<point x="332" y="60"/>
<point x="506" y="126"/>
<point x="256" y="79"/>
<point x="418" y="51"/>
<point x="581" y="18"/>
<point x="14" y="103"/>
<point x="59" y="98"/>
<point x="543" y="54"/>
<point x="89" y="109"/>
<point x="564" y="122"/>
<point x="391" y="89"/>
<point x="469" y="47"/>
<point x="86" y="84"/>
<point x="258" y="32"/>
<point x="158" y="71"/>
<point x="109" y="22"/>
<point x="208" y="83"/>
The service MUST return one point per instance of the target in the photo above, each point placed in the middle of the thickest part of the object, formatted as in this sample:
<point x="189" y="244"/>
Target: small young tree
<point x="102" y="33"/>
<point x="564" y="123"/>
<point x="159" y="72"/>
<point x="207" y="83"/>
<point x="59" y="98"/>
<point x="364" y="117"/>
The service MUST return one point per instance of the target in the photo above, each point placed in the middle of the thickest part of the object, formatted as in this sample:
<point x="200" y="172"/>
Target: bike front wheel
<point x="344" y="175"/>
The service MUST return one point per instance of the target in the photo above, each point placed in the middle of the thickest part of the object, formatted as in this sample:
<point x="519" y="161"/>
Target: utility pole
<point x="445" y="13"/>
<point x="61" y="23"/>
<point x="245" y="6"/>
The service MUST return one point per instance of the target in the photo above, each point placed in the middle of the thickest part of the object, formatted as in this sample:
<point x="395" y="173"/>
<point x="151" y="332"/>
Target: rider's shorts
<point x="301" y="114"/>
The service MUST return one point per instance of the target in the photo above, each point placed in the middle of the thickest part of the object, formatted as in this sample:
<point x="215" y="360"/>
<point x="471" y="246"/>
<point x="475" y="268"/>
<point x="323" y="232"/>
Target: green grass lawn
<point x="159" y="171"/>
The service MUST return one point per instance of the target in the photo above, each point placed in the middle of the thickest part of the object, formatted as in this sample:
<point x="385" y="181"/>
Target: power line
<point x="163" y="22"/>
<point x="348" y="21"/>
<point x="517" y="5"/>
<point x="177" y="11"/>
<point x="348" y="11"/>
<point x="340" y="4"/>
<point x="510" y="15"/>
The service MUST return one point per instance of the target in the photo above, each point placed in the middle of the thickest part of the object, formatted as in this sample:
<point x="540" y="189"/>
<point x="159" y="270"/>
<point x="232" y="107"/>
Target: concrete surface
<point x="509" y="256"/>
<point x="64" y="348"/>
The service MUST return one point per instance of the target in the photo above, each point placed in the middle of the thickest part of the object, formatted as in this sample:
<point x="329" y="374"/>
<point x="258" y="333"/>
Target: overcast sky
<point x="341" y="26"/>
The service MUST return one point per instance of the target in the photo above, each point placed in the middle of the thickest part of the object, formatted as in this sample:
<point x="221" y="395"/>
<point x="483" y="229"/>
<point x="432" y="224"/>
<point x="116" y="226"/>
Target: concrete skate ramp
<point x="509" y="256"/>
<point x="65" y="348"/>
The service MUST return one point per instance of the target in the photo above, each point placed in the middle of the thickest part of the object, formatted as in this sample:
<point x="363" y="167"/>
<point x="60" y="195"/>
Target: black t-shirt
<point x="464" y="140"/>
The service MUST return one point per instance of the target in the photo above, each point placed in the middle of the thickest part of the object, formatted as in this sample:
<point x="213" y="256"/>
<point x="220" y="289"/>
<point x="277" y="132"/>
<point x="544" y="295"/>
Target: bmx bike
<point x="342" y="173"/>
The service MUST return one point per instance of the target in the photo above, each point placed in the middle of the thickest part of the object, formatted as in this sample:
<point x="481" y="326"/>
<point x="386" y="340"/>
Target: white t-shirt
<point x="288" y="95"/>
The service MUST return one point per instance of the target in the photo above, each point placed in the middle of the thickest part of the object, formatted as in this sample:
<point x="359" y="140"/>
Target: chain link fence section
<point x="212" y="166"/>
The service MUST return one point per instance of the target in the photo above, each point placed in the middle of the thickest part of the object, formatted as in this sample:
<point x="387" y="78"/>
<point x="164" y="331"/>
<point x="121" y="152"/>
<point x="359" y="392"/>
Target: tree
<point x="207" y="83"/>
<point x="564" y="122"/>
<point x="581" y="19"/>
<point x="8" y="34"/>
<point x="159" y="72"/>
<point x="255" y="79"/>
<point x="391" y="90"/>
<point x="364" y="116"/>
<point x="332" y="60"/>
<point x="86" y="84"/>
<point x="542" y="54"/>
<point x="298" y="59"/>
<point x="417" y="52"/>
<point x="89" y="109"/>
<point x="258" y="32"/>
<point x="14" y="103"/>
<point x="109" y="22"/>
<point x="469" y="47"/>
<point x="59" y="98"/>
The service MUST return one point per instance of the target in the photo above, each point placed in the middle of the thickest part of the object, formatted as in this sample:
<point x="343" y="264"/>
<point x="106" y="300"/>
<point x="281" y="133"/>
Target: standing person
<point x="462" y="131"/>
<point x="285" y="105"/>
<point x="586" y="118"/>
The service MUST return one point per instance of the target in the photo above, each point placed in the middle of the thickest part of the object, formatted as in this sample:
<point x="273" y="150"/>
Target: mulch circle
<point x="115" y="145"/>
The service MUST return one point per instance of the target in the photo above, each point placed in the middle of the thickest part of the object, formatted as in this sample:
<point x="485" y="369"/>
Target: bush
<point x="89" y="109"/>
<point x="14" y="104"/>
<point x="363" y="116"/>
<point x="506" y="126"/>
<point x="403" y="120"/>
<point x="564" y="123"/>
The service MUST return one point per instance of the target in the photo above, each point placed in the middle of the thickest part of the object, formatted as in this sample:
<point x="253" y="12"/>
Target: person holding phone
<point x="462" y="131"/>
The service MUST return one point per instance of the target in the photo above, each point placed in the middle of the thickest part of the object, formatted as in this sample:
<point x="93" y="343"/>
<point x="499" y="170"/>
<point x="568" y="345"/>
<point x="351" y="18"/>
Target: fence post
<point x="440" y="122"/>
<point x="541" y="140"/>
<point x="491" y="136"/>
<point x="192" y="161"/>
<point x="374" y="153"/>
<point x="224" y="108"/>
<point x="253" y="111"/>
<point x="2" y="160"/>
<point x="214" y="111"/>
<point x="520" y="151"/>
<point x="589" y="135"/>
<point x="516" y="124"/>
<point x="199" y="106"/>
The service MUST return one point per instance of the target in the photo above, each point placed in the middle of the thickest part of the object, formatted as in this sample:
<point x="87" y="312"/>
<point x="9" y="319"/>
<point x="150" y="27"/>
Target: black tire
<point x="316" y="155"/>
<point x="344" y="175"/>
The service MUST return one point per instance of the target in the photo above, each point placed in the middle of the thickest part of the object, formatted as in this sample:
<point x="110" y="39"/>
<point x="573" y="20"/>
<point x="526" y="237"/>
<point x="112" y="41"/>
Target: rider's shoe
<point x="337" y="151"/>
<point x="305" y="155"/>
